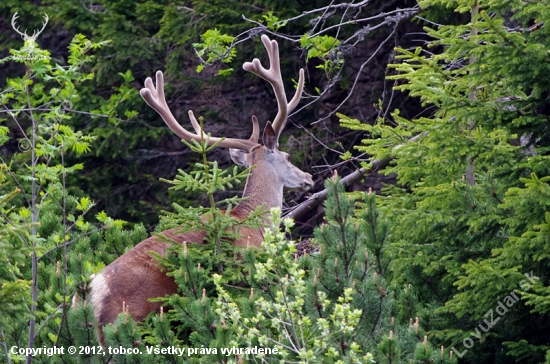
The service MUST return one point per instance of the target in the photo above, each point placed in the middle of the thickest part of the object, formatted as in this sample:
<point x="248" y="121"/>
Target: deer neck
<point x="262" y="187"/>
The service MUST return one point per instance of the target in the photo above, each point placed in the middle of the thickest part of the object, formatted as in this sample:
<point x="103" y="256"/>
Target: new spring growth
<point x="251" y="293"/>
<point x="370" y="191"/>
<point x="185" y="249"/>
<point x="15" y="191"/>
<point x="335" y="176"/>
<point x="161" y="313"/>
<point x="392" y="321"/>
<point x="199" y="268"/>
<point x="391" y="335"/>
<point x="441" y="353"/>
<point x="425" y="342"/>
<point x="125" y="310"/>
<point x="296" y="258"/>
<point x="416" y="325"/>
<point x="58" y="269"/>
<point x="203" y="301"/>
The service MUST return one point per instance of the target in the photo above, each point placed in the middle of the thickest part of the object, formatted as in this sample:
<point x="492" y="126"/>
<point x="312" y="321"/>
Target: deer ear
<point x="270" y="137"/>
<point x="238" y="157"/>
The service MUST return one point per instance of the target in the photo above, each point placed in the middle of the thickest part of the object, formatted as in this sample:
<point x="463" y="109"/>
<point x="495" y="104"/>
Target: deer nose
<point x="308" y="183"/>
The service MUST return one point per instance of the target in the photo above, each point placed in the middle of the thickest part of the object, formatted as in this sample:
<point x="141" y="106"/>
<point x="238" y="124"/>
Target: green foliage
<point x="280" y="320"/>
<point x="14" y="255"/>
<point x="470" y="211"/>
<point x="273" y="22"/>
<point x="220" y="228"/>
<point x="325" y="48"/>
<point x="47" y="238"/>
<point x="191" y="322"/>
<point x="333" y="306"/>
<point x="216" y="47"/>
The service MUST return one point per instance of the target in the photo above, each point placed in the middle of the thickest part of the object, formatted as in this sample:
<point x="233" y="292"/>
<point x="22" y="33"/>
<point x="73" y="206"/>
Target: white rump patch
<point x="100" y="289"/>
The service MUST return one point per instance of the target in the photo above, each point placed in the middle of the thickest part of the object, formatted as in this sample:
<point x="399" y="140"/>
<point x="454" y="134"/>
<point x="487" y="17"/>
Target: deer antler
<point x="35" y="33"/>
<point x="13" y="19"/>
<point x="155" y="98"/>
<point x="274" y="77"/>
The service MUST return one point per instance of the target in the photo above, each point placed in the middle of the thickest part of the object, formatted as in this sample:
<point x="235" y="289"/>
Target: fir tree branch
<point x="66" y="244"/>
<point x="50" y="316"/>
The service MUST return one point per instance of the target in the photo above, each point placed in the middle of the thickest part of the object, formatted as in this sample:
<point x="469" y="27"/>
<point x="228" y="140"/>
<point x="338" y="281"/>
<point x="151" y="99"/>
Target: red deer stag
<point x="134" y="278"/>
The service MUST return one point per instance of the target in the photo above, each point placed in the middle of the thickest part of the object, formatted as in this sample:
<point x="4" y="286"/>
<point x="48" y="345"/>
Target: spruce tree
<point x="471" y="203"/>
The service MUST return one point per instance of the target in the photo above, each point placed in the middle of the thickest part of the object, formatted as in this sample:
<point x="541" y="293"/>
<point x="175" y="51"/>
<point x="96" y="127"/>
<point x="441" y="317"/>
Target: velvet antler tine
<point x="255" y="130"/>
<point x="298" y="94"/>
<point x="160" y="87"/>
<point x="274" y="77"/>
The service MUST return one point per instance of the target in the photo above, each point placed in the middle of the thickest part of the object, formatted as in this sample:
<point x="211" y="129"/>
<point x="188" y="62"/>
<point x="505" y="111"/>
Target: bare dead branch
<point x="318" y="198"/>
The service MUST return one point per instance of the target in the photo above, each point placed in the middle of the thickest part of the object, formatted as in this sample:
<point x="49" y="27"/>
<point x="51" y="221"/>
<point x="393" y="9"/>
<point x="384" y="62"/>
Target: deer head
<point x="248" y="152"/>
